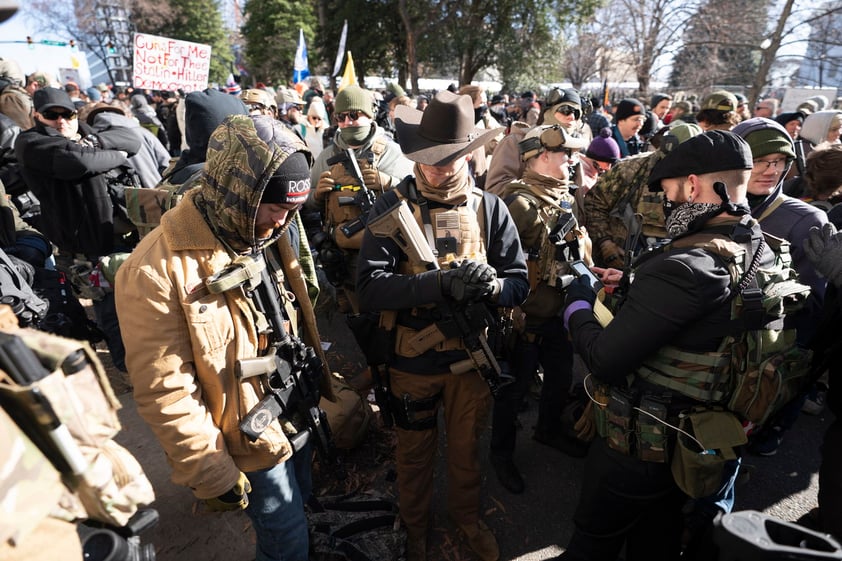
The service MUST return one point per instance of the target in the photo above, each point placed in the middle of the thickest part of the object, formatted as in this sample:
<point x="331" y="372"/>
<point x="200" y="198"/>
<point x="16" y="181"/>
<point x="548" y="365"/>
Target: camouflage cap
<point x="256" y="95"/>
<point x="720" y="100"/>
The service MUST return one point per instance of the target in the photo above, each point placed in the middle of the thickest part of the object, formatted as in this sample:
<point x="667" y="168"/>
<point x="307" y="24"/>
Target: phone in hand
<point x="580" y="269"/>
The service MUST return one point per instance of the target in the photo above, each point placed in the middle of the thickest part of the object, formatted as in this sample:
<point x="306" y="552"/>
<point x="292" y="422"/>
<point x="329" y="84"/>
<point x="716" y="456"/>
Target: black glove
<point x="824" y="248"/>
<point x="471" y="281"/>
<point x="579" y="289"/>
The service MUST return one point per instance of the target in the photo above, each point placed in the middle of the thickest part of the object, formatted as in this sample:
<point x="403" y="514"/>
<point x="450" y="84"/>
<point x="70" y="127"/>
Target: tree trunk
<point x="411" y="56"/>
<point x="767" y="55"/>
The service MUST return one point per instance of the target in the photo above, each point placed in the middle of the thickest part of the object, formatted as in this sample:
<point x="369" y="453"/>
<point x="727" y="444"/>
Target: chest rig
<point x="454" y="233"/>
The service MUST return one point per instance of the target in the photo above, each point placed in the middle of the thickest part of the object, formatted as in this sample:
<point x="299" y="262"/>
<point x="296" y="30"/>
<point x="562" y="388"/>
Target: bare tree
<point x="583" y="57"/>
<point x="646" y="30"/>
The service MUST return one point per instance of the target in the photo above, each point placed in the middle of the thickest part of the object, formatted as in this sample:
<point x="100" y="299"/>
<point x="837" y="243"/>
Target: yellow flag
<point x="349" y="77"/>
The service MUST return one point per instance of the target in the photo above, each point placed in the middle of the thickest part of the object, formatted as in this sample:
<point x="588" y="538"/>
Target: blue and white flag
<point x="300" y="70"/>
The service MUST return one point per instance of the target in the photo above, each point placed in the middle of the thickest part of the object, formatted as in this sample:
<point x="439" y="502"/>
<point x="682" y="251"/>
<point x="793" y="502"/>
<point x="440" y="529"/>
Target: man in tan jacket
<point x="184" y="339"/>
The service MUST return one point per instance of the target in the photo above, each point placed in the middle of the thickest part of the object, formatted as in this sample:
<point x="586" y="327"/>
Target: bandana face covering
<point x="681" y="217"/>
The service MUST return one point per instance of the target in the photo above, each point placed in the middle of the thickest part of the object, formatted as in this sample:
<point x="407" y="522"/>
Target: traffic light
<point x="111" y="49"/>
<point x="72" y="44"/>
<point x="29" y="42"/>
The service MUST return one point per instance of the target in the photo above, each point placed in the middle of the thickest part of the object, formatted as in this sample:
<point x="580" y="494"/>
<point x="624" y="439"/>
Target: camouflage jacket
<point x="619" y="195"/>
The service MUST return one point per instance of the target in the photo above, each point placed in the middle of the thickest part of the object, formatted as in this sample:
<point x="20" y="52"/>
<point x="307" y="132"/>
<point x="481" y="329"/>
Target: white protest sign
<point x="161" y="63"/>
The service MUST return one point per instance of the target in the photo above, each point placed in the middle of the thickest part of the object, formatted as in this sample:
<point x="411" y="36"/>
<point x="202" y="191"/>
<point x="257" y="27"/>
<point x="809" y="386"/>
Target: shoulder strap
<point x="771" y="208"/>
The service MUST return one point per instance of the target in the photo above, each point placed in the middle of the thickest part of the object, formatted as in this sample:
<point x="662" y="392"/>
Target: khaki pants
<point x="466" y="401"/>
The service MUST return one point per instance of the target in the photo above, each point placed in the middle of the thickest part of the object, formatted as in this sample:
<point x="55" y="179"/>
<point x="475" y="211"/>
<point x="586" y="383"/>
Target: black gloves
<point x="579" y="289"/>
<point x="471" y="281"/>
<point x="824" y="248"/>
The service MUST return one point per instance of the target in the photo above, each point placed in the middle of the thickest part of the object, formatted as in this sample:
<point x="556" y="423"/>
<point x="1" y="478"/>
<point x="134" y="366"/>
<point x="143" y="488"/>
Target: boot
<point x="482" y="541"/>
<point x="507" y="474"/>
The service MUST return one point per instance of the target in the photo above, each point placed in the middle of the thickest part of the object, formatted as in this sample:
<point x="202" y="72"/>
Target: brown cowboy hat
<point x="441" y="133"/>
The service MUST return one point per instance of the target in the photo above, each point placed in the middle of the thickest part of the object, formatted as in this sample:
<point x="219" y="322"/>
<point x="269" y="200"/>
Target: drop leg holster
<point x="404" y="410"/>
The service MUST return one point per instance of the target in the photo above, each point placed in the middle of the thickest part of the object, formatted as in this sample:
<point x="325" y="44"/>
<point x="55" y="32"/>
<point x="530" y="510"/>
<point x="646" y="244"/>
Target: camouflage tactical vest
<point x="758" y="368"/>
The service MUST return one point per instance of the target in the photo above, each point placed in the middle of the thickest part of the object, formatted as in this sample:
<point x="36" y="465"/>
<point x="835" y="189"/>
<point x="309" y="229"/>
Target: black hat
<point x="628" y="107"/>
<point x="706" y="153"/>
<point x="290" y="184"/>
<point x="47" y="98"/>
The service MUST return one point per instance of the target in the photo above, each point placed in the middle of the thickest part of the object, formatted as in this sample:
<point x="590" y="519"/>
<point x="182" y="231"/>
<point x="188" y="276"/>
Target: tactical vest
<point x="455" y="234"/>
<point x="758" y="368"/>
<point x="146" y="206"/>
<point x="340" y="209"/>
<point x="550" y="258"/>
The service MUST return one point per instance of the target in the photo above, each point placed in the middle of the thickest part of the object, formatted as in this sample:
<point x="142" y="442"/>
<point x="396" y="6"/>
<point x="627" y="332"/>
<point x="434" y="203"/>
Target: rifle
<point x="375" y="343"/>
<point x="363" y="198"/>
<point x="293" y="369"/>
<point x="467" y="321"/>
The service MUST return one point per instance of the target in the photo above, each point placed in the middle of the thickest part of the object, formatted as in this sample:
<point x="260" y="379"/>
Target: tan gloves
<point x="376" y="180"/>
<point x="612" y="254"/>
<point x="324" y="186"/>
<point x="235" y="499"/>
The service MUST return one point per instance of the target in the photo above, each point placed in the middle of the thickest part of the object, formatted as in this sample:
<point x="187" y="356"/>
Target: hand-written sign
<point x="161" y="63"/>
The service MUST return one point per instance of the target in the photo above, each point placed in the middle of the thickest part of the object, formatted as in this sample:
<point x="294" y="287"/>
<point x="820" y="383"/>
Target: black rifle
<point x="363" y="198"/>
<point x="375" y="343"/>
<point x="293" y="371"/>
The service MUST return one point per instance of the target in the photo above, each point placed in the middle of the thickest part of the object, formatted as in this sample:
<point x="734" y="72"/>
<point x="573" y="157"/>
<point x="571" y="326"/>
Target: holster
<point x="404" y="409"/>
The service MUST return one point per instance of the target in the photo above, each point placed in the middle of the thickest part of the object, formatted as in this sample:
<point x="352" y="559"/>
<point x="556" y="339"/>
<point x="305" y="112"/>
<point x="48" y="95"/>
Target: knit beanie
<point x="765" y="137"/>
<point x="604" y="148"/>
<point x="785" y="118"/>
<point x="290" y="184"/>
<point x="354" y="98"/>
<point x="769" y="141"/>
<point x="628" y="107"/>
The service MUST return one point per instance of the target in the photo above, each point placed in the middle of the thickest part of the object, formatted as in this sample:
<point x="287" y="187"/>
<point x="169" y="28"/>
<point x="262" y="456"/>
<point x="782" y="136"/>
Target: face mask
<point x="684" y="217"/>
<point x="354" y="136"/>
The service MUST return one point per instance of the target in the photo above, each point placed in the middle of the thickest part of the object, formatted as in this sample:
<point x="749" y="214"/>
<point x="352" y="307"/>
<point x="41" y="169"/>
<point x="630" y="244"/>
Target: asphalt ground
<point x="532" y="526"/>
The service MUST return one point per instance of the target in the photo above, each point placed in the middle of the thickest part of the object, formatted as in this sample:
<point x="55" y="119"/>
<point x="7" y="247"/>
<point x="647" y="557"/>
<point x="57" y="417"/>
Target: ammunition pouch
<point x="405" y="408"/>
<point x="633" y="426"/>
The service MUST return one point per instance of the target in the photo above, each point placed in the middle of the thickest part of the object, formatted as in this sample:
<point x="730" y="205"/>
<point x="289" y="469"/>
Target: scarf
<point x="548" y="190"/>
<point x="454" y="190"/>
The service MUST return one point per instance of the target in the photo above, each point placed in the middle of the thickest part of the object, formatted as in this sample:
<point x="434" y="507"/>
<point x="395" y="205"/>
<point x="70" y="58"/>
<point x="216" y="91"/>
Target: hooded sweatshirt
<point x="817" y="125"/>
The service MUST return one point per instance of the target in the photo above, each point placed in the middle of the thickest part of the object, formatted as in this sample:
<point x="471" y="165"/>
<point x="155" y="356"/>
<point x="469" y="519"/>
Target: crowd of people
<point x="471" y="232"/>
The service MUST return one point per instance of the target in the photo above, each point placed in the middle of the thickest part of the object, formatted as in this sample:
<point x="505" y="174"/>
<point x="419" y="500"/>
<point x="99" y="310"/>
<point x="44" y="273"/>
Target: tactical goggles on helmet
<point x="551" y="140"/>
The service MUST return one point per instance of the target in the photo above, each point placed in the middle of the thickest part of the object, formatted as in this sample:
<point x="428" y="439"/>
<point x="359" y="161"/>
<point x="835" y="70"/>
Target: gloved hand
<point x="579" y="289"/>
<point x="235" y="499"/>
<point x="324" y="186"/>
<point x="376" y="180"/>
<point x="612" y="254"/>
<point x="824" y="248"/>
<point x="471" y="281"/>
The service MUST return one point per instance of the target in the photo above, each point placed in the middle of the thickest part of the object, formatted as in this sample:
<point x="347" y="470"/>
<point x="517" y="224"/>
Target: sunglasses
<point x="55" y="115"/>
<point x="568" y="110"/>
<point x="354" y="115"/>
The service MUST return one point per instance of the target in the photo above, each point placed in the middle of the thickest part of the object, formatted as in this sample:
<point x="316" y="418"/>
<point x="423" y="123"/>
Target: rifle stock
<point x="467" y="322"/>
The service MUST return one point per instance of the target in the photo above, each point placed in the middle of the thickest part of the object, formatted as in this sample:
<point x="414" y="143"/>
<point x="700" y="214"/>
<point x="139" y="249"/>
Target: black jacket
<point x="66" y="176"/>
<point x="679" y="298"/>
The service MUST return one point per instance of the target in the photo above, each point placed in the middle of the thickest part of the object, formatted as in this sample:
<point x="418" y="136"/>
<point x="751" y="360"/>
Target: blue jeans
<point x="276" y="508"/>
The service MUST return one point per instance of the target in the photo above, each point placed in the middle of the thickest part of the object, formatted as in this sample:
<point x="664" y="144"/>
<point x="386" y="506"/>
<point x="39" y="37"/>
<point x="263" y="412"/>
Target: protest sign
<point x="161" y="63"/>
